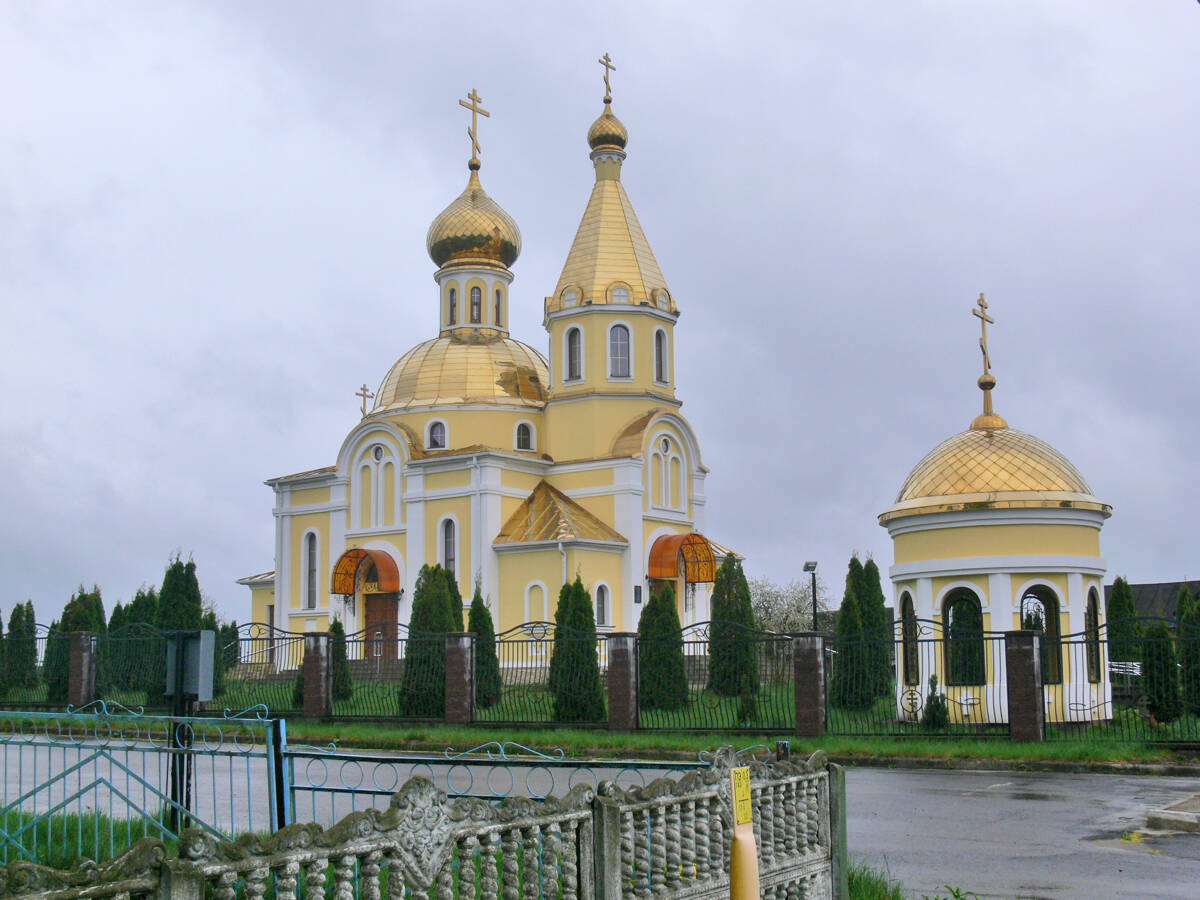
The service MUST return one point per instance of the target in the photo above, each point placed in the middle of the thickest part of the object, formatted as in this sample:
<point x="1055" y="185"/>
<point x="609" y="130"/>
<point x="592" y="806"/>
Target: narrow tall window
<point x="660" y="356"/>
<point x="1091" y="623"/>
<point x="524" y="437"/>
<point x="437" y="436"/>
<point x="476" y="305"/>
<point x="448" y="545"/>
<point x="601" y="605"/>
<point x="310" y="584"/>
<point x="574" y="355"/>
<point x="963" y="619"/>
<point x="453" y="317"/>
<point x="497" y="318"/>
<point x="1039" y="612"/>
<point x="618" y="351"/>
<point x="908" y="619"/>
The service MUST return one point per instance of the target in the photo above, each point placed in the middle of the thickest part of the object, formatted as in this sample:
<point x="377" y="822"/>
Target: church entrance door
<point x="380" y="611"/>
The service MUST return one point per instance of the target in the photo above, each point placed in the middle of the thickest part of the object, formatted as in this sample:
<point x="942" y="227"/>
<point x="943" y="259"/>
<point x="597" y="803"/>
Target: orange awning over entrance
<point x="695" y="551"/>
<point x="347" y="565"/>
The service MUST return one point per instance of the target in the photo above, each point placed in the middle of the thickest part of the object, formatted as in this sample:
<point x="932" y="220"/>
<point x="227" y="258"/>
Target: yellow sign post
<point x="743" y="854"/>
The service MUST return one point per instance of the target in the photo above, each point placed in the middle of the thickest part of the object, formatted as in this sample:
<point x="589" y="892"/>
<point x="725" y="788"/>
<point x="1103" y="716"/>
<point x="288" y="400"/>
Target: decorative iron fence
<point x="532" y="690"/>
<point x="262" y="665"/>
<point x="1135" y="680"/>
<point x="917" y="678"/>
<point x="717" y="676"/>
<point x="131" y="667"/>
<point x="24" y="672"/>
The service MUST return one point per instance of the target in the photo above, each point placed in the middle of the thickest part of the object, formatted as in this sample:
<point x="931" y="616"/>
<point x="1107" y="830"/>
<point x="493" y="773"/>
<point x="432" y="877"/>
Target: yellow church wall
<point x="260" y="599"/>
<point x="318" y="522"/>
<point x="997" y="540"/>
<point x="448" y="479"/>
<point x="517" y="572"/>
<point x="522" y="481"/>
<point x="595" y="326"/>
<point x="460" y="508"/>
<point x="309" y="496"/>
<point x="586" y="428"/>
<point x="649" y="527"/>
<point x="584" y="478"/>
<point x="396" y="541"/>
<point x="494" y="427"/>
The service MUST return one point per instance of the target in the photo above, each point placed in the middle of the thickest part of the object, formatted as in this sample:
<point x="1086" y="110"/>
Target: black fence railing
<point x="24" y="683"/>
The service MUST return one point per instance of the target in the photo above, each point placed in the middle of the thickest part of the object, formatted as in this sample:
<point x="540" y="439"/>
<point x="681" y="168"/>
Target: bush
<point x="454" y="604"/>
<point x="852" y="685"/>
<point x="1124" y="630"/>
<point x="662" y="674"/>
<point x="732" y="643"/>
<point x="1160" y="675"/>
<point x="83" y="612"/>
<point x="578" y="693"/>
<point x="1187" y="613"/>
<point x="873" y="614"/>
<point x="487" y="664"/>
<point x="423" y="685"/>
<point x="936" y="714"/>
<point x="20" y="652"/>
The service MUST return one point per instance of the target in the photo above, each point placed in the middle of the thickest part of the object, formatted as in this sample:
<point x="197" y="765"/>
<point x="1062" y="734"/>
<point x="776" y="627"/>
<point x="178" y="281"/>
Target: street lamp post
<point x="811" y="568"/>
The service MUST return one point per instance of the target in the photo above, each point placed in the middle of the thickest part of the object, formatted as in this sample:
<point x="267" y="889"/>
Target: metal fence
<point x="24" y="675"/>
<point x="733" y="679"/>
<point x="917" y="678"/>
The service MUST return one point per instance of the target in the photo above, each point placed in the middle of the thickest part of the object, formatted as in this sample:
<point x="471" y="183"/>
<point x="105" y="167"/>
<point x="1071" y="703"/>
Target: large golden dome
<point x="993" y="468"/>
<point x="474" y="227"/>
<point x="465" y="368"/>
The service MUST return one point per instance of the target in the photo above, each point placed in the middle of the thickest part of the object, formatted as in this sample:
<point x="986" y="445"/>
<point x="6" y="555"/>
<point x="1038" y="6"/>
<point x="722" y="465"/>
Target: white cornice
<point x="984" y="565"/>
<point x="310" y="509"/>
<point x="612" y="395"/>
<point x="581" y="543"/>
<point x="612" y="309"/>
<point x="970" y="518"/>
<point x="381" y="531"/>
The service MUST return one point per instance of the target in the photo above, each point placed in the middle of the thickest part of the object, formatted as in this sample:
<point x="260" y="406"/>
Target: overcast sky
<point x="213" y="217"/>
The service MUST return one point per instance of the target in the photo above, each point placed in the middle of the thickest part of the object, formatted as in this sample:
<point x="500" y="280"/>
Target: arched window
<point x="453" y="316"/>
<point x="437" y="436"/>
<point x="620" y="294"/>
<point x="908" y="635"/>
<point x="1039" y="612"/>
<point x="574" y="355"/>
<point x="448" y="545"/>
<point x="618" y="351"/>
<point x="663" y="299"/>
<point x="497" y="318"/>
<point x="963" y="620"/>
<point x="660" y="357"/>
<point x="476" y="305"/>
<point x="570" y="297"/>
<point x="524" y="437"/>
<point x="310" y="571"/>
<point x="601" y="604"/>
<point x="1091" y="624"/>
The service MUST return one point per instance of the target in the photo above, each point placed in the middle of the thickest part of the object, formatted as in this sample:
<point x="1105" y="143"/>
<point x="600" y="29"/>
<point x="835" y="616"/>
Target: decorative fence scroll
<point x="670" y="838"/>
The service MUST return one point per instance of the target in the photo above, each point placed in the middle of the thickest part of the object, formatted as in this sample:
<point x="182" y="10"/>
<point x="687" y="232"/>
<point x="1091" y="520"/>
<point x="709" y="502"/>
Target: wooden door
<point x="381" y="626"/>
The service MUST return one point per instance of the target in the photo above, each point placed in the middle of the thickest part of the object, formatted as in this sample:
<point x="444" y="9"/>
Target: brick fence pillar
<point x="1026" y="703"/>
<point x="622" y="682"/>
<point x="808" y="660"/>
<point x="318" y="677"/>
<point x="81" y="668"/>
<point x="460" y="679"/>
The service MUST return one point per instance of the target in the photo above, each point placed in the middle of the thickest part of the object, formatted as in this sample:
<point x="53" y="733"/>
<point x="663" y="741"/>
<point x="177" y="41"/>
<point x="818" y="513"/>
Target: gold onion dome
<point x="474" y="227"/>
<point x="607" y="131"/>
<point x="993" y="468"/>
<point x="465" y="368"/>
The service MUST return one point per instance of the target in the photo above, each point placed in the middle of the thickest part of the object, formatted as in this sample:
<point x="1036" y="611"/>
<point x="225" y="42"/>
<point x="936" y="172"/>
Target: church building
<point x="503" y="464"/>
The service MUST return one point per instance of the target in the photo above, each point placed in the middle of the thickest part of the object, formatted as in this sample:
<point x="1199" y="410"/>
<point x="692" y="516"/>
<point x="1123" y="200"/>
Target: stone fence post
<point x="318" y="677"/>
<point x="1026" y="702"/>
<point x="808" y="660"/>
<point x="460" y="679"/>
<point x="81" y="668"/>
<point x="622" y="682"/>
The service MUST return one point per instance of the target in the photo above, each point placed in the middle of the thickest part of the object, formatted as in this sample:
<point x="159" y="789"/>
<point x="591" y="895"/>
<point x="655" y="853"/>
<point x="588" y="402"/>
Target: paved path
<point x="1019" y="834"/>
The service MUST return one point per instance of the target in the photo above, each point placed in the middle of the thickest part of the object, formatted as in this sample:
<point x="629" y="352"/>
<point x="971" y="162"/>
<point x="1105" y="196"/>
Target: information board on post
<point x="743" y="854"/>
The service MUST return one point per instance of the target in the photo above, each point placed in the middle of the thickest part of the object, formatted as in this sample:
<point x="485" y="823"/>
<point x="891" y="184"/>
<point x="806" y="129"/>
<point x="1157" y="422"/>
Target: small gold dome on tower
<point x="607" y="131"/>
<point x="474" y="227"/>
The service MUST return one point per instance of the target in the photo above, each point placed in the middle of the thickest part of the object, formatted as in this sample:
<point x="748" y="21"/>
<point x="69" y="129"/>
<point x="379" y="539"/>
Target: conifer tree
<point x="662" y="671"/>
<point x="872" y="611"/>
<point x="83" y="612"/>
<point x="20" y="658"/>
<point x="1160" y="675"/>
<point x="579" y="693"/>
<point x="423" y="684"/>
<point x="454" y="604"/>
<point x="1124" y="629"/>
<point x="851" y="686"/>
<point x="143" y="608"/>
<point x="1187" y="615"/>
<point x="180" y="606"/>
<point x="487" y="665"/>
<point x="732" y="641"/>
<point x="4" y="683"/>
<point x="343" y="685"/>
<point x="557" y="652"/>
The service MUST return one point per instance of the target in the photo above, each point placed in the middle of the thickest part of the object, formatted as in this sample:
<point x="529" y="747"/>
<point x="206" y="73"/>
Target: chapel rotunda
<point x="994" y="530"/>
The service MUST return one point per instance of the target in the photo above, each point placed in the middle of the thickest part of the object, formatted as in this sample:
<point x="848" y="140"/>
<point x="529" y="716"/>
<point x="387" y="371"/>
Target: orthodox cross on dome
<point x="366" y="394"/>
<point x="473" y="132"/>
<point x="984" y="321"/>
<point x="606" y="61"/>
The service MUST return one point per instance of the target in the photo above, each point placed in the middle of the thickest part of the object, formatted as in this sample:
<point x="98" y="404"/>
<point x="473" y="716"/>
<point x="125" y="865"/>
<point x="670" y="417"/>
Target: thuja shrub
<point x="662" y="673"/>
<point x="1160" y="675"/>
<point x="487" y="663"/>
<point x="578" y="692"/>
<point x="732" y="641"/>
<point x="852" y="685"/>
<point x="423" y="684"/>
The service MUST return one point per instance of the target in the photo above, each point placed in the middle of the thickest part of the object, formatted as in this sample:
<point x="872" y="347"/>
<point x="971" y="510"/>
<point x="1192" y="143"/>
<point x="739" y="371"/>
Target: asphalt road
<point x="1021" y="834"/>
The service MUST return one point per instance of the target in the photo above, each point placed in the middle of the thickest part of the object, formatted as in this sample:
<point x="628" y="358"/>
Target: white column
<point x="490" y="522"/>
<point x="924" y="600"/>
<point x="627" y="520"/>
<point x="1076" y="603"/>
<point x="414" y="506"/>
<point x="1000" y="601"/>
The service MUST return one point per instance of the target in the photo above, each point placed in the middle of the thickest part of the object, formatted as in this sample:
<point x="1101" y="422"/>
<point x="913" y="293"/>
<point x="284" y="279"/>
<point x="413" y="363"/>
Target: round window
<point x="378" y="452"/>
<point x="666" y="445"/>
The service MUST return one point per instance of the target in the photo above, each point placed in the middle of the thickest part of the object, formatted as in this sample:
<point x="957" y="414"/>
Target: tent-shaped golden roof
<point x="465" y="368"/>
<point x="475" y="228"/>
<point x="992" y="468"/>
<point x="548" y="514"/>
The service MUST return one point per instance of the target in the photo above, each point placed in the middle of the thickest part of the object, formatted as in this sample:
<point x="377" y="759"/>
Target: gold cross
<point x="984" y="321"/>
<point x="606" y="61"/>
<point x="366" y="395"/>
<point x="475" y="109"/>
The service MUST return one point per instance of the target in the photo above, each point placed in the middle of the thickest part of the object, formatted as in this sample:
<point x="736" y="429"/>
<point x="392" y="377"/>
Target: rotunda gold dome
<point x="607" y="131"/>
<point x="465" y="368"/>
<point x="993" y="468"/>
<point x="474" y="227"/>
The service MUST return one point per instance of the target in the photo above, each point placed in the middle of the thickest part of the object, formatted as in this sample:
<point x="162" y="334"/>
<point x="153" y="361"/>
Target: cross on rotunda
<point x="366" y="394"/>
<point x="476" y="110"/>
<point x="606" y="61"/>
<point x="984" y="321"/>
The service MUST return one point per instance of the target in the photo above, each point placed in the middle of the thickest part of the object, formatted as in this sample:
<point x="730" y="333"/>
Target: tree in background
<point x="83" y="612"/>
<point x="732" y="642"/>
<point x="20" y="652"/>
<point x="578" y="693"/>
<point x="454" y="604"/>
<point x="1187" y="631"/>
<point x="872" y="611"/>
<point x="487" y="665"/>
<point x="423" y="684"/>
<point x="851" y="686"/>
<point x="785" y="608"/>
<point x="1160" y="675"/>
<point x="4" y="684"/>
<point x="662" y="672"/>
<point x="1124" y="629"/>
<point x="143" y="608"/>
<point x="180" y="606"/>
